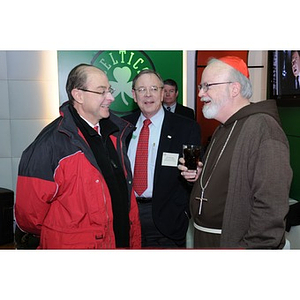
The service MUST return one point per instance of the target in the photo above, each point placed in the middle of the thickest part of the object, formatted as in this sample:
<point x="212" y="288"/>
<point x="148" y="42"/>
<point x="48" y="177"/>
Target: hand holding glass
<point x="191" y="155"/>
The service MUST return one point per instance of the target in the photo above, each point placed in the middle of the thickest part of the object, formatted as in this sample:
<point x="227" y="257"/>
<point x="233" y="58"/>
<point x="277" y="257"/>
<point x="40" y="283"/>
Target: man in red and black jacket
<point x="74" y="187"/>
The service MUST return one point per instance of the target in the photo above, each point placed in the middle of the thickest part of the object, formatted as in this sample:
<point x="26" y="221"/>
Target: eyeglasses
<point x="152" y="89"/>
<point x="205" y="86"/>
<point x="103" y="93"/>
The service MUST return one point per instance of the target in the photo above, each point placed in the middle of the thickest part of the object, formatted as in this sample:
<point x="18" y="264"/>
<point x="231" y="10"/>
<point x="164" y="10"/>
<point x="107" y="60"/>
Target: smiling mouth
<point x="105" y="105"/>
<point x="205" y="101"/>
<point x="148" y="102"/>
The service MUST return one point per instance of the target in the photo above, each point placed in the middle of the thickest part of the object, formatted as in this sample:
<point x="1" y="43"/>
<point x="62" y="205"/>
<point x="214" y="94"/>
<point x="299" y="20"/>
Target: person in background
<point x="240" y="196"/>
<point x="170" y="100"/>
<point x="296" y="68"/>
<point x="74" y="187"/>
<point x="163" y="197"/>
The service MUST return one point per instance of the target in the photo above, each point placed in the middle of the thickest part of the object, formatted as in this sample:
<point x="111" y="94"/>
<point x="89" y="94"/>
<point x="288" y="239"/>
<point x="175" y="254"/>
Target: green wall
<point x="121" y="66"/>
<point x="290" y="118"/>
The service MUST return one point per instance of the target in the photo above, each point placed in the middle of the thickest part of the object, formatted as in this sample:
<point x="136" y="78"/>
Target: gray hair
<point x="147" y="71"/>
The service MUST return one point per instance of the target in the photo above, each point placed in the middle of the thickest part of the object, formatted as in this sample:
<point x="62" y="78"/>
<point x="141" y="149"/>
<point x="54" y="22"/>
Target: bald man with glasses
<point x="74" y="188"/>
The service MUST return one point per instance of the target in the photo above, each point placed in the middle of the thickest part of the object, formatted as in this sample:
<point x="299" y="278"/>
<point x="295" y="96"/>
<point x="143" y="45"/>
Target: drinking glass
<point x="191" y="155"/>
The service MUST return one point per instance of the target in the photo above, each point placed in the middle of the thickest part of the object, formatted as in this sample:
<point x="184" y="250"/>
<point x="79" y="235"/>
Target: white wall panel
<point x="4" y="100"/>
<point x="6" y="173"/>
<point x="191" y="55"/>
<point x="23" y="132"/>
<point x="5" y="138"/>
<point x="258" y="63"/>
<point x="32" y="99"/>
<point x="3" y="68"/>
<point x="31" y="65"/>
<point x="28" y="101"/>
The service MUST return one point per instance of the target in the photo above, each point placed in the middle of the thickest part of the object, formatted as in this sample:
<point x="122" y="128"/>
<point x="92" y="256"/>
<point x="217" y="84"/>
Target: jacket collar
<point x="112" y="125"/>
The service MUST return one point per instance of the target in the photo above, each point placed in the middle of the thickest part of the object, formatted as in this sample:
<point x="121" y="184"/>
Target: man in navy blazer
<point x="170" y="100"/>
<point x="164" y="205"/>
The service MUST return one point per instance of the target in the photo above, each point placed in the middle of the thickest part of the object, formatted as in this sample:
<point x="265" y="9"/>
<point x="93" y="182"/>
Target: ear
<point x="162" y="95"/>
<point x="236" y="89"/>
<point x="134" y="95"/>
<point x="77" y="95"/>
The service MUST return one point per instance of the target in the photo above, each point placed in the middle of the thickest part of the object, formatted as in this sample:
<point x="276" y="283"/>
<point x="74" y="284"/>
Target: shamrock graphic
<point x="122" y="85"/>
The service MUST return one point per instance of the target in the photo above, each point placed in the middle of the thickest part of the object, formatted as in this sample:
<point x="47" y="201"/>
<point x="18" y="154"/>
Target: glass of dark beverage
<point x="191" y="155"/>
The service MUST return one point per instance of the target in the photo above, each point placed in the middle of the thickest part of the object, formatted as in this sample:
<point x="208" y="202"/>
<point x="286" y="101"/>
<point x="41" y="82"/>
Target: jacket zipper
<point x="107" y="216"/>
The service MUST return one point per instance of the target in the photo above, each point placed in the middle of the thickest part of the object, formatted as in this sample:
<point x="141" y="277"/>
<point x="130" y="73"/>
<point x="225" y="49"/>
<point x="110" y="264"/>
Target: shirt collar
<point x="156" y="119"/>
<point x="92" y="125"/>
<point x="173" y="106"/>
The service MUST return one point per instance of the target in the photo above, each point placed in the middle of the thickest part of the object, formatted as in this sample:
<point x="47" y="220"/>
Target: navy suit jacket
<point x="171" y="192"/>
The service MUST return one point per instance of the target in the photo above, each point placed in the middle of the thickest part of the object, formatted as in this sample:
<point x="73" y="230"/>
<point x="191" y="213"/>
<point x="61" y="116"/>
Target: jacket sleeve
<point x="271" y="182"/>
<point x="35" y="190"/>
<point x="259" y="183"/>
<point x="135" y="226"/>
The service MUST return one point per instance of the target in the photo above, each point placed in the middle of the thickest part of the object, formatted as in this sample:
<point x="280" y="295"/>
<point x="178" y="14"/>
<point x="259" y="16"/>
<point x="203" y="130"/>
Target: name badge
<point x="170" y="159"/>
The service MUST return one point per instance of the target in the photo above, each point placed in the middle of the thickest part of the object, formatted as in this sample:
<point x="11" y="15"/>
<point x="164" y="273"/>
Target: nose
<point x="201" y="93"/>
<point x="147" y="92"/>
<point x="110" y="97"/>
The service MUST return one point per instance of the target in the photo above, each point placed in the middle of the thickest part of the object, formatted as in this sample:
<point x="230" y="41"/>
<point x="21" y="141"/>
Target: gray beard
<point x="210" y="112"/>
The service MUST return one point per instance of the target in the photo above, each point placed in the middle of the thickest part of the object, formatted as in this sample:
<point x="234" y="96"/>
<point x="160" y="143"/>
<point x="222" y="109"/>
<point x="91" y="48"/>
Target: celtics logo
<point x="121" y="67"/>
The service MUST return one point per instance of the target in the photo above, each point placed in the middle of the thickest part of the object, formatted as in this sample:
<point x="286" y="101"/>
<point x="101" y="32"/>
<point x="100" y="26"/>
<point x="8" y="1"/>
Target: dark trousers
<point x="151" y="236"/>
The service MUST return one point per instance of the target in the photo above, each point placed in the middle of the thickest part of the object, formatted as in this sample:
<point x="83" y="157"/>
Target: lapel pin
<point x="169" y="137"/>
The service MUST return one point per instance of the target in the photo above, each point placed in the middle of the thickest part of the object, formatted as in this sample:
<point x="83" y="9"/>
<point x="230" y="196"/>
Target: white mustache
<point x="206" y="99"/>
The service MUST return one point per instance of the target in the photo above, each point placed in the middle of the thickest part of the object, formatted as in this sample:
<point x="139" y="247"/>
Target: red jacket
<point x="61" y="193"/>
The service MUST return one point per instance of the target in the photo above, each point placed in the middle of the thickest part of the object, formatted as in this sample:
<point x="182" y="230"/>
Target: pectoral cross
<point x="201" y="199"/>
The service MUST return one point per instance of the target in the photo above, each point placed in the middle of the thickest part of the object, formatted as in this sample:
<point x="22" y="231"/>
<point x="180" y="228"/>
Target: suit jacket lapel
<point x="165" y="143"/>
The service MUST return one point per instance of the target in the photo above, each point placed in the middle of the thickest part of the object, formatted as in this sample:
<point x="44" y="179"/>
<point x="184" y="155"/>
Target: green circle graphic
<point x="121" y="67"/>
